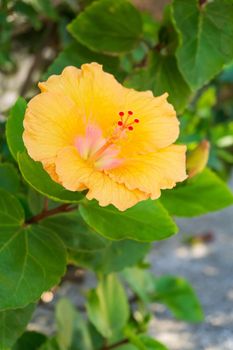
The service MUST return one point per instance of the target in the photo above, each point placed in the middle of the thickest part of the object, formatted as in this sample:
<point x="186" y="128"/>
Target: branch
<point x="64" y="208"/>
<point x="113" y="346"/>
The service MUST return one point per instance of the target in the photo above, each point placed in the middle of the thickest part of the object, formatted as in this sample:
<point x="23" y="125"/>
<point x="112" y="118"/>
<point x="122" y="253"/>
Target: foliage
<point x="45" y="228"/>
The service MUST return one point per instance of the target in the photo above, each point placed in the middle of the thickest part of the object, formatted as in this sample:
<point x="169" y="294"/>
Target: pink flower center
<point x="100" y="151"/>
<point x="96" y="149"/>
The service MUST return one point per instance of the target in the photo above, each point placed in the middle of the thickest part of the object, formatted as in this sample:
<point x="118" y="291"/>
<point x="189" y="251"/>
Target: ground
<point x="209" y="268"/>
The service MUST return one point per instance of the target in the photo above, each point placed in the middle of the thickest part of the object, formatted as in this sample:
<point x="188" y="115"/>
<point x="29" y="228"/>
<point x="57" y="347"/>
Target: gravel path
<point x="209" y="267"/>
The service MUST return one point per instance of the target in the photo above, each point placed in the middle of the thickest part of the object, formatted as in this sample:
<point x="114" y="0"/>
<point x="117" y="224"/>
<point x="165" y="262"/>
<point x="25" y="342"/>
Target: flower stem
<point x="115" y="345"/>
<point x="64" y="208"/>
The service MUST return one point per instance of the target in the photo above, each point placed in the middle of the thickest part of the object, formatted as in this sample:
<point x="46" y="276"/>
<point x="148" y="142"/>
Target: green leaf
<point x="114" y="257"/>
<point x="9" y="178"/>
<point x="65" y="319"/>
<point x="11" y="212"/>
<point x="14" y="127"/>
<point x="141" y="281"/>
<point x="39" y="179"/>
<point x="76" y="54"/>
<point x="107" y="306"/>
<point x="13" y="323"/>
<point x="152" y="344"/>
<point x="147" y="221"/>
<point x="35" y="201"/>
<point x="143" y="342"/>
<point x="203" y="193"/>
<point x="227" y="74"/>
<point x="204" y="38"/>
<point x="72" y="330"/>
<point x="167" y="78"/>
<point x="28" y="264"/>
<point x="150" y="28"/>
<point x="108" y="26"/>
<point x="178" y="295"/>
<point x="146" y="343"/>
<point x="162" y="75"/>
<point x="76" y="235"/>
<point x="175" y="292"/>
<point x="30" y="341"/>
<point x="28" y="256"/>
<point x="88" y="249"/>
<point x="46" y="7"/>
<point x="50" y="344"/>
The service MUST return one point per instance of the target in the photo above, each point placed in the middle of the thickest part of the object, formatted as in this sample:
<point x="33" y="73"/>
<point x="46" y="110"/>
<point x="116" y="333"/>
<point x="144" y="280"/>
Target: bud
<point x="198" y="158"/>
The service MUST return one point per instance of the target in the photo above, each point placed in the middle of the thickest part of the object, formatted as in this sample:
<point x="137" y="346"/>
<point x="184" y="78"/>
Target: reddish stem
<point x="113" y="346"/>
<point x="45" y="213"/>
<point x="202" y="2"/>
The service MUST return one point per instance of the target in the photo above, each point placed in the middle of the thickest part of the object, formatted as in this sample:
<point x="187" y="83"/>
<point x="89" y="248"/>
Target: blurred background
<point x="32" y="34"/>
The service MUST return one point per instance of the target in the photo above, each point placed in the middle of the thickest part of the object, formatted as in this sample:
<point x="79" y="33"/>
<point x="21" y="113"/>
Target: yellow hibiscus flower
<point x="91" y="133"/>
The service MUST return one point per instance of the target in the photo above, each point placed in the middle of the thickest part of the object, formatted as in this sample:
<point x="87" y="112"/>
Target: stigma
<point x="126" y="121"/>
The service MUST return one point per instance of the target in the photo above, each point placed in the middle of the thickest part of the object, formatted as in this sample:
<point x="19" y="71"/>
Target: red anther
<point x="136" y="120"/>
<point x="120" y="123"/>
<point x="121" y="114"/>
<point x="130" y="128"/>
<point x="130" y="112"/>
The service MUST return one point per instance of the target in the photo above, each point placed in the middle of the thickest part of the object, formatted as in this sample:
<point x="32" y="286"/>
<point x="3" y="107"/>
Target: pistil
<point x="123" y="125"/>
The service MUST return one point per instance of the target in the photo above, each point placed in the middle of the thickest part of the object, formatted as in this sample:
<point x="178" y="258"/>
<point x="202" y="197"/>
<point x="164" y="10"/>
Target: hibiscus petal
<point x="51" y="122"/>
<point x="74" y="172"/>
<point x="158" y="126"/>
<point x="97" y="94"/>
<point x="63" y="84"/>
<point x="154" y="171"/>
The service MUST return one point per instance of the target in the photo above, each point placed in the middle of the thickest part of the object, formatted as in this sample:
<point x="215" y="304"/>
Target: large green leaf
<point x="14" y="127"/>
<point x="88" y="249"/>
<point x="162" y="75"/>
<point x="39" y="179"/>
<point x="76" y="55"/>
<point x="35" y="201"/>
<point x="108" y="26"/>
<point x="76" y="235"/>
<point x="180" y="298"/>
<point x="205" y="38"/>
<point x="203" y="193"/>
<point x="9" y="178"/>
<point x="12" y="325"/>
<point x="147" y="221"/>
<point x="11" y="212"/>
<point x="107" y="306"/>
<point x="114" y="257"/>
<point x="28" y="256"/>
